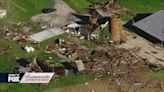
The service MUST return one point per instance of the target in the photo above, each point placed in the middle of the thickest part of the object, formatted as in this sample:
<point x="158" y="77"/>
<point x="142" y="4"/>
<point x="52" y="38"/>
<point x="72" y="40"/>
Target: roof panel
<point x="153" y="25"/>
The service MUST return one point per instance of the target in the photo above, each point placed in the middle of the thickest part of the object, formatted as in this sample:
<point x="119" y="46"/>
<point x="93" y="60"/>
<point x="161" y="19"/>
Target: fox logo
<point x="13" y="77"/>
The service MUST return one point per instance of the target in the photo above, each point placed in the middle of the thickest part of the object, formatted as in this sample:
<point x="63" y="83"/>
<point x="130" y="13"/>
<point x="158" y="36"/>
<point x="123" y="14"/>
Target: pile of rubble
<point x="67" y="49"/>
<point x="105" y="60"/>
<point x="13" y="36"/>
<point x="36" y="65"/>
<point x="99" y="60"/>
<point x="50" y="48"/>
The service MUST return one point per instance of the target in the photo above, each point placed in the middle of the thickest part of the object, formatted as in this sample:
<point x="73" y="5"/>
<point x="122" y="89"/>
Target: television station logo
<point x="14" y="78"/>
<point x="29" y="78"/>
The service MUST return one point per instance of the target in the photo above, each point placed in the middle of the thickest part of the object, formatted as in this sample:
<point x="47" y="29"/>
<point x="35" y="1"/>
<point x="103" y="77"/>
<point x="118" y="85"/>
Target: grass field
<point x="23" y="9"/>
<point x="7" y="63"/>
<point x="80" y="6"/>
<point x="143" y="6"/>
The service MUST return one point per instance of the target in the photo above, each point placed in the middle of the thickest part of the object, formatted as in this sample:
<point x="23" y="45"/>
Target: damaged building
<point x="90" y="30"/>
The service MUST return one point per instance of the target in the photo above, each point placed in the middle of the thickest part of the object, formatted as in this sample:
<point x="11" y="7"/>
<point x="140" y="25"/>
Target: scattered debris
<point x="86" y="83"/>
<point x="80" y="65"/>
<point x="102" y="60"/>
<point x="73" y="25"/>
<point x="23" y="69"/>
<point x="35" y="65"/>
<point x="26" y="29"/>
<point x="13" y="36"/>
<point x="2" y="49"/>
<point x="50" y="48"/>
<point x="109" y="8"/>
<point x="59" y="71"/>
<point x="3" y="13"/>
<point x="67" y="49"/>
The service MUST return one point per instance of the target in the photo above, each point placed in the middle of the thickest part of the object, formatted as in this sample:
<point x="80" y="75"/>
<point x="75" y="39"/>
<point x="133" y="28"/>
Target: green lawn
<point x="80" y="6"/>
<point x="23" y="9"/>
<point x="143" y="6"/>
<point x="7" y="63"/>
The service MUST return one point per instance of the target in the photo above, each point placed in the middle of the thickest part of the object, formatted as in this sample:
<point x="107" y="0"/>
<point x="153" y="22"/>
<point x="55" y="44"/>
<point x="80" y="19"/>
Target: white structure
<point x="3" y="13"/>
<point x="46" y="34"/>
<point x="29" y="49"/>
<point x="73" y="25"/>
<point x="104" y="25"/>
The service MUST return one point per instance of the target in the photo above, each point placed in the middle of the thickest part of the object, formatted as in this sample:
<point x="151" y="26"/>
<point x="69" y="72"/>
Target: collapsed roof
<point x="153" y="25"/>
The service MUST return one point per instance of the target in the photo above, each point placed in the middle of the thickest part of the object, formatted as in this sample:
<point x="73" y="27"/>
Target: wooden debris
<point x="80" y="65"/>
<point x="50" y="48"/>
